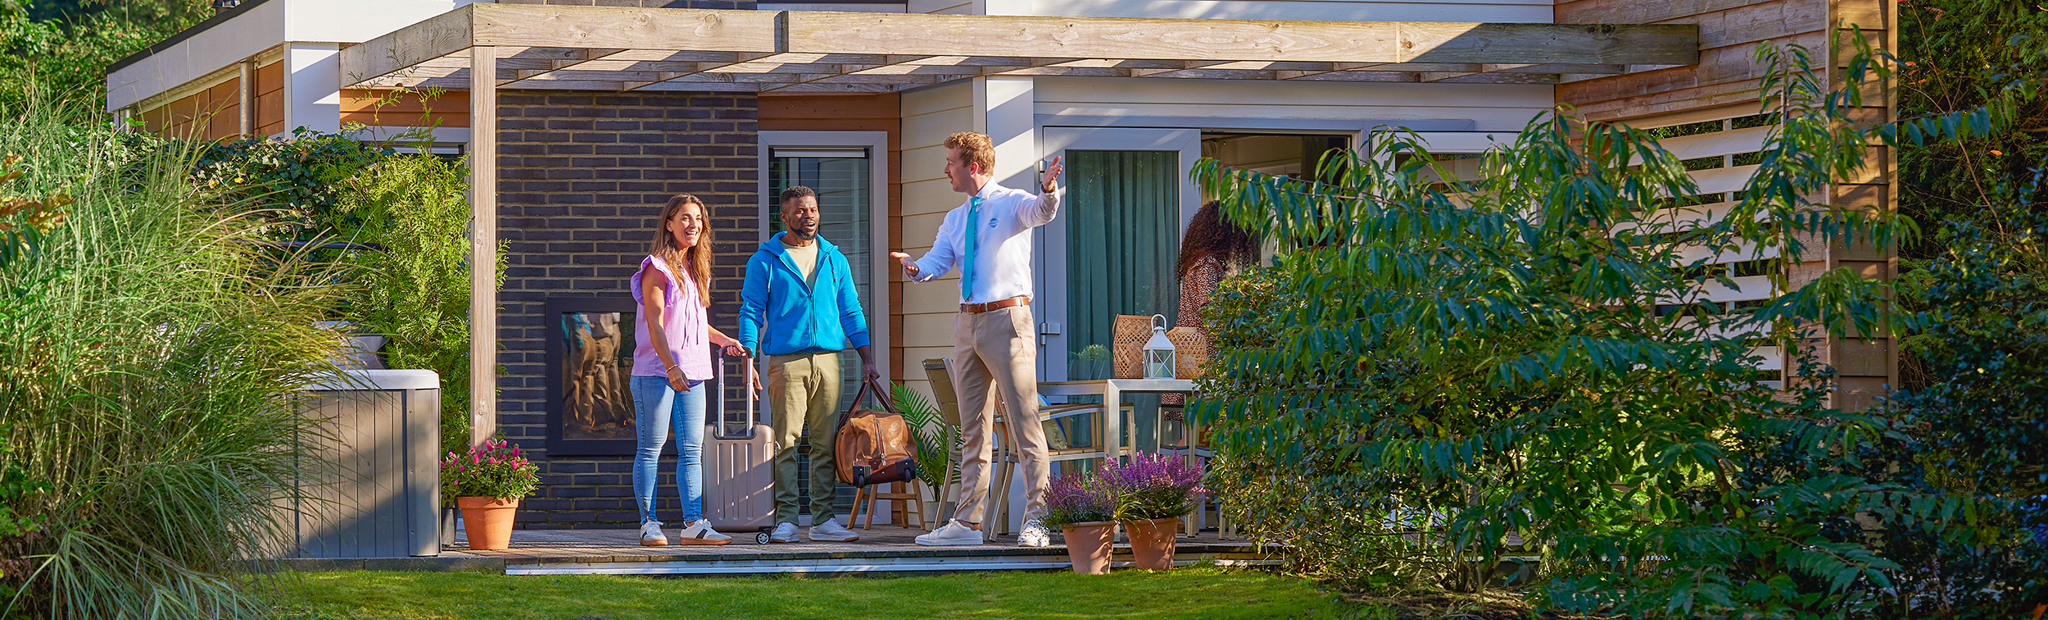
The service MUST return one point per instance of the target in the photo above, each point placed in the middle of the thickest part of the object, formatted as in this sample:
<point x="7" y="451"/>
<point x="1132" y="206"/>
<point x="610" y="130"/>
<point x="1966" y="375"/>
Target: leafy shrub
<point x="414" y="286"/>
<point x="65" y="56"/>
<point x="1977" y="425"/>
<point x="492" y="469"/>
<point x="300" y="183"/>
<point x="1455" y="371"/>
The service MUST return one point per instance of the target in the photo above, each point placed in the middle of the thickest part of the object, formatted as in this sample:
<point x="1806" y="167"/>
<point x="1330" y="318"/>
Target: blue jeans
<point x="656" y="407"/>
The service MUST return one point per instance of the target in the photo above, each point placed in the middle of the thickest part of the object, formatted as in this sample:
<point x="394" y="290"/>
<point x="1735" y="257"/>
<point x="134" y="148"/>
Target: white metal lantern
<point x="1159" y="351"/>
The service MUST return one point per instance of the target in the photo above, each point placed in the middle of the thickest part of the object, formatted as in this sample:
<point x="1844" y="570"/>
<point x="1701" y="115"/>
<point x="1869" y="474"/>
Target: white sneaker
<point x="651" y="536"/>
<point x="700" y="533"/>
<point x="952" y="533"/>
<point x="1034" y="534"/>
<point x="831" y="531"/>
<point x="785" y="532"/>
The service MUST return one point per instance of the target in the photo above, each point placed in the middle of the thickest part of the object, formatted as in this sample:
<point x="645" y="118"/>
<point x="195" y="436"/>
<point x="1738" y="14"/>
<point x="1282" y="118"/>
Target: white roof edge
<point x="263" y="27"/>
<point x="198" y="56"/>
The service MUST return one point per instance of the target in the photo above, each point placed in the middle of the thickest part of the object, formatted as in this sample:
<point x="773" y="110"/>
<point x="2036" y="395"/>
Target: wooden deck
<point x="884" y="549"/>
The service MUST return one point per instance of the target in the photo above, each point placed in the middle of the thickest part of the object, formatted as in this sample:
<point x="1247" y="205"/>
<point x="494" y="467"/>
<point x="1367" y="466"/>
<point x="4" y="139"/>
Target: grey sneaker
<point x="785" y="532"/>
<point x="1034" y="534"/>
<point x="831" y="531"/>
<point x="952" y="533"/>
<point x="651" y="536"/>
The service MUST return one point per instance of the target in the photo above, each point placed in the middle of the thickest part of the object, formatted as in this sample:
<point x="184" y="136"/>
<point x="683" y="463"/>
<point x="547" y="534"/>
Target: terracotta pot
<point x="1152" y="542"/>
<point x="1088" y="546"/>
<point x="488" y="521"/>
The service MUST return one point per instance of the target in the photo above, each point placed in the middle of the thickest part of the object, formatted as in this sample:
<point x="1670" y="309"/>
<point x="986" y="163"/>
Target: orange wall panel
<point x="269" y="98"/>
<point x="449" y="108"/>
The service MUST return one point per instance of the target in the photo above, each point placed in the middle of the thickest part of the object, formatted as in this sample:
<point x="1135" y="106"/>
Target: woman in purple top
<point x="671" y="361"/>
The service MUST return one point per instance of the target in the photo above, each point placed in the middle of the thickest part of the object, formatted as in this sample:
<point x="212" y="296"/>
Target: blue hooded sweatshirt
<point x="800" y="319"/>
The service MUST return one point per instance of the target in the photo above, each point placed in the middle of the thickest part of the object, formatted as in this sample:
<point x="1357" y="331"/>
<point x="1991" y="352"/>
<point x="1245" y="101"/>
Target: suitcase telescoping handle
<point x="721" y="430"/>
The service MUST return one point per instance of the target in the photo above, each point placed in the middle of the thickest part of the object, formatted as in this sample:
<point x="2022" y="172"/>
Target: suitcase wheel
<point x="760" y="538"/>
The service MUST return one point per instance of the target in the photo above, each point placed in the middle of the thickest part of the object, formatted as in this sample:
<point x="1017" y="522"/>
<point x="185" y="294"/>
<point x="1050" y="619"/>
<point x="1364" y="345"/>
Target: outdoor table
<point x="1111" y="391"/>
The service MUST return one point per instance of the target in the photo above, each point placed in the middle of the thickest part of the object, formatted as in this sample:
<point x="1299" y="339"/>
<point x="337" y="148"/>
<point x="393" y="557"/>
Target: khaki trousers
<point x="995" y="354"/>
<point x="803" y="394"/>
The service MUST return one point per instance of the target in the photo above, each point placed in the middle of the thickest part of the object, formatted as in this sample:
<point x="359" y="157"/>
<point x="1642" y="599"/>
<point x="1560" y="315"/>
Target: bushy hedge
<point x="1435" y="377"/>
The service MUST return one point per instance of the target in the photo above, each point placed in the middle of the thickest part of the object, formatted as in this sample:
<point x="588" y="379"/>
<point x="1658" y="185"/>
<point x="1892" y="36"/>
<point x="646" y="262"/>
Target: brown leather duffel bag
<point x="873" y="446"/>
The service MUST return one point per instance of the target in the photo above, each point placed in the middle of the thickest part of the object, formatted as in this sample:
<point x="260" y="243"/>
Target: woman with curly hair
<point x="1212" y="249"/>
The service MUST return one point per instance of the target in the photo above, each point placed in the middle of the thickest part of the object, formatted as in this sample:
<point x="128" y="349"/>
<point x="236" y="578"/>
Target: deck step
<point x="738" y="566"/>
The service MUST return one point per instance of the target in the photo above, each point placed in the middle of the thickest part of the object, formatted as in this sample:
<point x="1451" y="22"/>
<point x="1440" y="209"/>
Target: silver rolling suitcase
<point x="739" y="470"/>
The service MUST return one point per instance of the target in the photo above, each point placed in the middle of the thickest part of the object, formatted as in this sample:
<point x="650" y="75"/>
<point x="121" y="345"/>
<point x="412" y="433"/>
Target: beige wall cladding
<point x="925" y="311"/>
<point x="1724" y="85"/>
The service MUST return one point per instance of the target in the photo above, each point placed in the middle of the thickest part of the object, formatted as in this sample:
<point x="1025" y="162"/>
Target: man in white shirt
<point x="995" y="344"/>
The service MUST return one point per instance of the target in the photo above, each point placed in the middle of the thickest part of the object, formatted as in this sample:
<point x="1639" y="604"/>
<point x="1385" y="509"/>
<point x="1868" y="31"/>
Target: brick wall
<point x="582" y="179"/>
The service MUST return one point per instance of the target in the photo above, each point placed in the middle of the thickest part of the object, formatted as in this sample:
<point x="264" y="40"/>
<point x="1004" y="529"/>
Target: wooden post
<point x="245" y="97"/>
<point x="483" y="252"/>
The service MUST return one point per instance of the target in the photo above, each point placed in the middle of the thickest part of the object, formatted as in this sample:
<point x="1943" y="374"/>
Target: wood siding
<point x="1724" y="86"/>
<point x="449" y="108"/>
<point x="269" y="99"/>
<point x="210" y="114"/>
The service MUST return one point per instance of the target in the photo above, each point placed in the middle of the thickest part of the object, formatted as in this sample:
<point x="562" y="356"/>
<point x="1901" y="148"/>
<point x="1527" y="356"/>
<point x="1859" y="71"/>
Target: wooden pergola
<point x="482" y="48"/>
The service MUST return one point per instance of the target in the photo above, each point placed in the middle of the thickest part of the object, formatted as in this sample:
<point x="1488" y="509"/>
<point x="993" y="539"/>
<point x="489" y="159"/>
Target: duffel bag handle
<point x="881" y="395"/>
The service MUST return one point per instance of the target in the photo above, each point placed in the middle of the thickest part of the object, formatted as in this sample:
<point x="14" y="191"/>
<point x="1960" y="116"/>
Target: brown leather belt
<point x="995" y="305"/>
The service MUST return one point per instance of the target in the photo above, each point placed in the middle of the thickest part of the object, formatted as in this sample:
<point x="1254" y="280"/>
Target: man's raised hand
<point x="909" y="266"/>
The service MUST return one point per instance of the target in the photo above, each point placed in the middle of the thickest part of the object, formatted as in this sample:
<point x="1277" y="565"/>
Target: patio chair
<point x="1062" y="423"/>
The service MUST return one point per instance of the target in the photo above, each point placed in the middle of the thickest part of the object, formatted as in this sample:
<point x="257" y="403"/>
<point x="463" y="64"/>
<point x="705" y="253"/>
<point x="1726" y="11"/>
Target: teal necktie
<point x="973" y="225"/>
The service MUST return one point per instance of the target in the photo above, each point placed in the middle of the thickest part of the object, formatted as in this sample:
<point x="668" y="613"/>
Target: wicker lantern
<point x="1159" y="351"/>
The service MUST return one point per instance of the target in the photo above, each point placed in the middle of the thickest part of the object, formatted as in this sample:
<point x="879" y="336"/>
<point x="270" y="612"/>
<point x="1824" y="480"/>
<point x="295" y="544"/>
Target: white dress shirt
<point x="1002" y="257"/>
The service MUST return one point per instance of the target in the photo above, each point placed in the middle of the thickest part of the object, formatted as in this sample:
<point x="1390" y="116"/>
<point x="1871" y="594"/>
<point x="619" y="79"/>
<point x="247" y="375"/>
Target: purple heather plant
<point x="1076" y="498"/>
<point x="1153" y="486"/>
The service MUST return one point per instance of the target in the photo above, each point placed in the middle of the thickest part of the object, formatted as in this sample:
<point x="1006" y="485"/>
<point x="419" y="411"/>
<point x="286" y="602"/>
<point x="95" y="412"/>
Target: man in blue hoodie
<point x="801" y="288"/>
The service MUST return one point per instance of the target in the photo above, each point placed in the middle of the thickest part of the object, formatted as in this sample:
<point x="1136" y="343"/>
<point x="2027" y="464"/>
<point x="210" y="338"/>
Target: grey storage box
<point x="375" y="490"/>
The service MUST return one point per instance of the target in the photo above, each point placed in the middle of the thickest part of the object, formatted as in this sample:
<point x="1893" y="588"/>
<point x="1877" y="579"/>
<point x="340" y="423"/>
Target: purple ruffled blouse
<point x="685" y="322"/>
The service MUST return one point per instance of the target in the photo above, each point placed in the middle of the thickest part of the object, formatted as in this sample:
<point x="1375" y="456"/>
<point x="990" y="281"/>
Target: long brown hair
<point x="1211" y="236"/>
<point x="694" y="260"/>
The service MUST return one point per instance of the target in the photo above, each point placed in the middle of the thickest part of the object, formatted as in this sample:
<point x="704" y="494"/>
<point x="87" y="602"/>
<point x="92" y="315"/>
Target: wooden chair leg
<point x="870" y="523"/>
<point x="916" y="504"/>
<point x="854" y="520"/>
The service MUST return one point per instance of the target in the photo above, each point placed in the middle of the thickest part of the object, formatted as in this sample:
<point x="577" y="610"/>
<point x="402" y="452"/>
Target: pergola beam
<point x="1217" y="39"/>
<point x="545" y="44"/>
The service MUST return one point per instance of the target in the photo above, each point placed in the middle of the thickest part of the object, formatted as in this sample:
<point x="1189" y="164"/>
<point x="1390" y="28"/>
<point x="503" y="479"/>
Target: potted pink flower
<point x="1084" y="510"/>
<point x="1152" y="492"/>
<point x="487" y="484"/>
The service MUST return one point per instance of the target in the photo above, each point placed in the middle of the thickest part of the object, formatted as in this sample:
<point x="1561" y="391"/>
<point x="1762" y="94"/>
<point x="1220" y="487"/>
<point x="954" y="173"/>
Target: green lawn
<point x="1198" y="592"/>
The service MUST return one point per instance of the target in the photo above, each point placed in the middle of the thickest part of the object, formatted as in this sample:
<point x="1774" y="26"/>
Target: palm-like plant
<point x="935" y="439"/>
